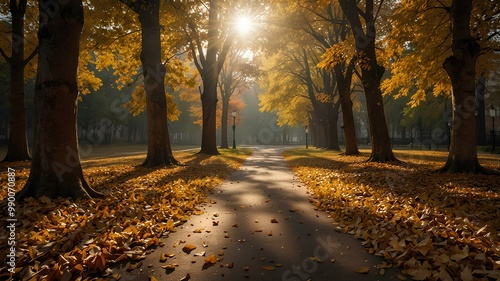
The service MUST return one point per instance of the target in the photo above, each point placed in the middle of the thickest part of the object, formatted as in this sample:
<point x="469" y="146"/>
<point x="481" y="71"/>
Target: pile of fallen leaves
<point x="60" y="239"/>
<point x="436" y="226"/>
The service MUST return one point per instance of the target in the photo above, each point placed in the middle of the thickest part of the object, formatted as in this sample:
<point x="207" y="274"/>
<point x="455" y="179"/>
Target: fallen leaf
<point x="170" y="266"/>
<point x="163" y="257"/>
<point x="362" y="270"/>
<point x="466" y="274"/>
<point x="316" y="259"/>
<point x="133" y="266"/>
<point x="268" y="267"/>
<point x="212" y="259"/>
<point x="188" y="248"/>
<point x="419" y="274"/>
<point x="274" y="221"/>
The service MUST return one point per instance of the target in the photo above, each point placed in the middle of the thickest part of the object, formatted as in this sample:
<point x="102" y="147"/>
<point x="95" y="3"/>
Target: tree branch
<point x="31" y="56"/>
<point x="4" y="55"/>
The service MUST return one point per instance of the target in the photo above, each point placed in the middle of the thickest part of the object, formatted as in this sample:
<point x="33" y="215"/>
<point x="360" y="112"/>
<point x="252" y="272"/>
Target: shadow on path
<point x="261" y="221"/>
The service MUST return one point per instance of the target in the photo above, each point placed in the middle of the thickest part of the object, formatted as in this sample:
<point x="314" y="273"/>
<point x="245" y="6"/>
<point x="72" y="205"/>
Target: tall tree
<point x="235" y="77"/>
<point x="461" y="68"/>
<point x="328" y="27"/>
<point x="209" y="52"/>
<point x="55" y="168"/>
<point x="18" y="141"/>
<point x="451" y="54"/>
<point x="159" y="148"/>
<point x="365" y="36"/>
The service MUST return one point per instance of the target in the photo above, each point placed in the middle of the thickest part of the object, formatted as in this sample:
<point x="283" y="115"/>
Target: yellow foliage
<point x="419" y="41"/>
<point x="137" y="104"/>
<point x="339" y="53"/>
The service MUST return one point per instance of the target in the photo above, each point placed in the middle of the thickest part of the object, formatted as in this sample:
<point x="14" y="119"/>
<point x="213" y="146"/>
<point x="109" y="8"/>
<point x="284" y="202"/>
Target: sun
<point x="244" y="25"/>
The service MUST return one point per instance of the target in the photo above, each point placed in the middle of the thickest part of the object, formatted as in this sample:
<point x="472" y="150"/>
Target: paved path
<point x="236" y="227"/>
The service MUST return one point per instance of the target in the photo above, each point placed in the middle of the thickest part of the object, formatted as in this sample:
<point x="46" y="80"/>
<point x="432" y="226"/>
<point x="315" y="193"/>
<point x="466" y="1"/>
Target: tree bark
<point x="481" y="108"/>
<point x="18" y="141"/>
<point x="332" y="130"/>
<point x="56" y="170"/>
<point x="371" y="75"/>
<point x="344" y="86"/>
<point x="209" y="66"/>
<point x="209" y="112"/>
<point x="461" y="68"/>
<point x="159" y="148"/>
<point x="223" y="129"/>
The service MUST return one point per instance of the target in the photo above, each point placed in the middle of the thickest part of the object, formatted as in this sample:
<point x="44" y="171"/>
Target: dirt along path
<point x="260" y="225"/>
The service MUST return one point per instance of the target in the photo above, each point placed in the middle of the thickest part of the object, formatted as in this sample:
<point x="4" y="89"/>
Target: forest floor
<point x="436" y="226"/>
<point x="263" y="223"/>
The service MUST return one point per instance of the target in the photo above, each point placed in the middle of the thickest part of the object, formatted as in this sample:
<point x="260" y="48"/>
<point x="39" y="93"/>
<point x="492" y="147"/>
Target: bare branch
<point x="31" y="56"/>
<point x="4" y="55"/>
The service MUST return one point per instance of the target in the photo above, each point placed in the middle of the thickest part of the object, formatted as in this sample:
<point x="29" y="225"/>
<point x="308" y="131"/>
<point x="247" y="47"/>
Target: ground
<point x="262" y="223"/>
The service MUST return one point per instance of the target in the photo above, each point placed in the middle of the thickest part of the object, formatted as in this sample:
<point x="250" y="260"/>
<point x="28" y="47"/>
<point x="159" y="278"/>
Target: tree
<point x="55" y="168"/>
<point x="235" y="77"/>
<point x="451" y="54"/>
<point x="461" y="68"/>
<point x="305" y="37"/>
<point x="18" y="142"/>
<point x="209" y="52"/>
<point x="365" y="36"/>
<point x="329" y="28"/>
<point x="159" y="148"/>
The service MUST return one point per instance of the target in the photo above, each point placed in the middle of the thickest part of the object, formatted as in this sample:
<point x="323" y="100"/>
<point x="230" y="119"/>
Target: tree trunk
<point x="159" y="148"/>
<point x="333" y="119"/>
<point x="223" y="129"/>
<point x="18" y="141"/>
<point x="461" y="68"/>
<point x="212" y="65"/>
<point x="56" y="170"/>
<point x="209" y="113"/>
<point x="371" y="77"/>
<point x="344" y="86"/>
<point x="481" y="108"/>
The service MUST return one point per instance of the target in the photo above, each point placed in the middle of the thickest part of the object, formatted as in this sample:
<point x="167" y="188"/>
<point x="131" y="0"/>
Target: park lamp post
<point x="234" y="129"/>
<point x="492" y="114"/>
<point x="307" y="133"/>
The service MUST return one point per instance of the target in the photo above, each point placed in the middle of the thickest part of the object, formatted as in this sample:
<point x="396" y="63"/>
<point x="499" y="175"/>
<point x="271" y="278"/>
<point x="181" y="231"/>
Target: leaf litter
<point x="60" y="238"/>
<point x="435" y="226"/>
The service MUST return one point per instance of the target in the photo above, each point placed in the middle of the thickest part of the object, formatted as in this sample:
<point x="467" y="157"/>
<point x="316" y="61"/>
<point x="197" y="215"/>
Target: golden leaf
<point x="268" y="267"/>
<point x="212" y="259"/>
<point x="170" y="266"/>
<point x="188" y="248"/>
<point x="133" y="266"/>
<point x="362" y="270"/>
